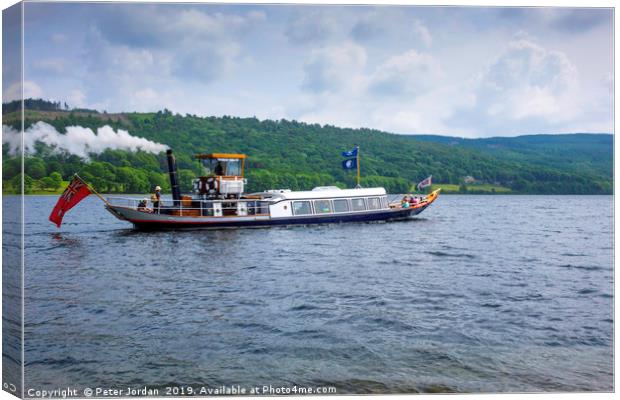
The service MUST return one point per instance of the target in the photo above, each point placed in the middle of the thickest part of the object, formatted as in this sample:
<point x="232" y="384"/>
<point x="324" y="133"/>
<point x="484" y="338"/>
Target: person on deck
<point x="405" y="202"/>
<point x="414" y="201"/>
<point x="143" y="205"/>
<point x="156" y="198"/>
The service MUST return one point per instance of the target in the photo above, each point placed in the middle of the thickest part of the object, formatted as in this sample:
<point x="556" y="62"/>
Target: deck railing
<point x="212" y="208"/>
<point x="218" y="207"/>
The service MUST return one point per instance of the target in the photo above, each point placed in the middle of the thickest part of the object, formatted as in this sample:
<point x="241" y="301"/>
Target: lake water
<point x="479" y="294"/>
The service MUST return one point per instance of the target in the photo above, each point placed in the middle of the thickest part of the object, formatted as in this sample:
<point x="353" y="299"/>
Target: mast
<point x="358" y="165"/>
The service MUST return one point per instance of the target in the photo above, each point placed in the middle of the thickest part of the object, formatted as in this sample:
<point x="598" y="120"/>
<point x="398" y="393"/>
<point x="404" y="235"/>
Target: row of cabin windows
<point x="339" y="205"/>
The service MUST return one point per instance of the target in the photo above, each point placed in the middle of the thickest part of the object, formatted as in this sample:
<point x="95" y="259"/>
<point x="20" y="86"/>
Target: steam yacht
<point x="218" y="201"/>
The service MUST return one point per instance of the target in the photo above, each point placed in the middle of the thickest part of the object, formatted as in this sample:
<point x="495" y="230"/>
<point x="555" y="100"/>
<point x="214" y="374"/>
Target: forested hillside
<point x="572" y="152"/>
<point x="290" y="154"/>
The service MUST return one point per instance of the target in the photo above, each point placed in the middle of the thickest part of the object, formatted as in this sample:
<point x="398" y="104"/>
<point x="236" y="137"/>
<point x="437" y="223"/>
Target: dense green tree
<point x="186" y="177"/>
<point x="16" y="183"/>
<point x="158" y="179"/>
<point x="35" y="167"/>
<point x="11" y="166"/>
<point x="47" y="183"/>
<point x="132" y="180"/>
<point x="56" y="179"/>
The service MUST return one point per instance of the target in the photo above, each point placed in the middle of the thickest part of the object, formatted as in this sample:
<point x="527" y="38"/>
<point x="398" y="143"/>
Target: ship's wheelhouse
<point x="223" y="176"/>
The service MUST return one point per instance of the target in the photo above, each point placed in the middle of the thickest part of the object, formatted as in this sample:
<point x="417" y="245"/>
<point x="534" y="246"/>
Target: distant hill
<point x="295" y="155"/>
<point x="574" y="152"/>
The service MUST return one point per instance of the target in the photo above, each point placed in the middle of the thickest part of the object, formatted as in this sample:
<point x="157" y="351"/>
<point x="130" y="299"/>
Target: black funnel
<point x="174" y="180"/>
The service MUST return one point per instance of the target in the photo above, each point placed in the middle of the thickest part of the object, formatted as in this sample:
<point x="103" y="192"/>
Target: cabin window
<point x="341" y="205"/>
<point x="222" y="166"/>
<point x="251" y="207"/>
<point x="263" y="207"/>
<point x="301" y="208"/>
<point x="255" y="207"/>
<point x="358" y="205"/>
<point x="233" y="168"/>
<point x="373" y="203"/>
<point x="322" y="206"/>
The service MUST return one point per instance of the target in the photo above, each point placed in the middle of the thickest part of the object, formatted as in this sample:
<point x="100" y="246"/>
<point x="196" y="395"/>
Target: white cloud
<point x="526" y="88"/>
<point x="367" y="29"/>
<point x="149" y="99"/>
<point x="342" y="89"/>
<point x="343" y="68"/>
<point x="173" y="54"/>
<point x="608" y="82"/>
<point x="311" y="27"/>
<point x="407" y="93"/>
<point x="50" y="65"/>
<point x="132" y="60"/>
<point x="422" y="32"/>
<point x="201" y="24"/>
<point x="427" y="113"/>
<point x="59" y="38"/>
<point x="335" y="68"/>
<point x="32" y="90"/>
<point x="14" y="91"/>
<point x="76" y="98"/>
<point x="408" y="73"/>
<point x="147" y="49"/>
<point x="526" y="81"/>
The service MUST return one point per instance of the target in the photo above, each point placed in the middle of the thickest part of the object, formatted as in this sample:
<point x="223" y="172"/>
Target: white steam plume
<point x="77" y="139"/>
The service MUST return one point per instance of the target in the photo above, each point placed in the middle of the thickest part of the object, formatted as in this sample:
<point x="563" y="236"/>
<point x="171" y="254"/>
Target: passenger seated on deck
<point x="414" y="201"/>
<point x="405" y="202"/>
<point x="142" y="205"/>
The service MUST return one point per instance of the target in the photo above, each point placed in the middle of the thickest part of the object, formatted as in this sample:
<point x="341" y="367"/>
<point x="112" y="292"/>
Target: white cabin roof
<point x="324" y="192"/>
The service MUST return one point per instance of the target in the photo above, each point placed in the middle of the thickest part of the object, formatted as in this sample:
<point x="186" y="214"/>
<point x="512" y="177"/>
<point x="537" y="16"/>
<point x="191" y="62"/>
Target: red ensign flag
<point x="73" y="194"/>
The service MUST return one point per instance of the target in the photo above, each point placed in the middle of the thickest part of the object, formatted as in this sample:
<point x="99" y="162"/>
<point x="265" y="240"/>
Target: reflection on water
<point x="497" y="293"/>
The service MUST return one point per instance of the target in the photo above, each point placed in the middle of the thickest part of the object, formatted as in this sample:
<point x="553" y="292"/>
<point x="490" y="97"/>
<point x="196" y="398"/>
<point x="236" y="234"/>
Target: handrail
<point x="225" y="206"/>
<point x="210" y="207"/>
<point x="193" y="200"/>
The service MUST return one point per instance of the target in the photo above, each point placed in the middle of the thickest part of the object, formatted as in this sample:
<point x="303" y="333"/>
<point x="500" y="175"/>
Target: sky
<point x="457" y="71"/>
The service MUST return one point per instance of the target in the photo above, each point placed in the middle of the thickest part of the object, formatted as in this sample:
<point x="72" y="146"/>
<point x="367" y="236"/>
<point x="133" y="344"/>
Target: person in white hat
<point x="156" y="198"/>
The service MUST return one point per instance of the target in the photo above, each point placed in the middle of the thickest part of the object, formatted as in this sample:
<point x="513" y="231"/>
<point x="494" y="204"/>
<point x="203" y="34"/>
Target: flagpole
<point x="358" y="166"/>
<point x="91" y="188"/>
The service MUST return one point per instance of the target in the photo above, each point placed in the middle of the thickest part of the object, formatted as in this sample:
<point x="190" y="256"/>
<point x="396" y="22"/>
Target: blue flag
<point x="352" y="153"/>
<point x="351" y="163"/>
